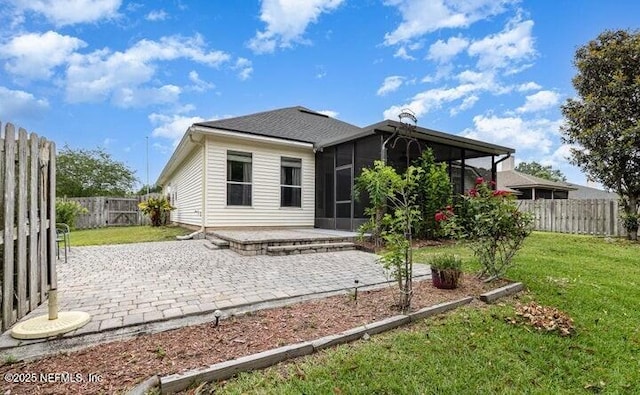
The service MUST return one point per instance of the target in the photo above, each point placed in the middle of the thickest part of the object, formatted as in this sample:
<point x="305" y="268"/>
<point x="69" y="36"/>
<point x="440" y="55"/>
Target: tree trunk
<point x="632" y="210"/>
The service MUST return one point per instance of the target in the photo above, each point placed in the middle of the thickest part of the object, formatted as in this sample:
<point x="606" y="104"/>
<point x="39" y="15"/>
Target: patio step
<point x="310" y="248"/>
<point x="214" y="243"/>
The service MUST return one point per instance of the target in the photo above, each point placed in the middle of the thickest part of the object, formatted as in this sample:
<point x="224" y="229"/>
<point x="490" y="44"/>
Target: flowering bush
<point x="490" y="223"/>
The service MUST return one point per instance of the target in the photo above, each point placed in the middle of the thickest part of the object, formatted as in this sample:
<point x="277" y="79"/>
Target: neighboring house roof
<point x="516" y="180"/>
<point x="582" y="192"/>
<point x="291" y="123"/>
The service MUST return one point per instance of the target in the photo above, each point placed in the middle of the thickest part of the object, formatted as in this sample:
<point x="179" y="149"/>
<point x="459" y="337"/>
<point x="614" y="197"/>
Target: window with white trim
<point x="239" y="178"/>
<point x="290" y="182"/>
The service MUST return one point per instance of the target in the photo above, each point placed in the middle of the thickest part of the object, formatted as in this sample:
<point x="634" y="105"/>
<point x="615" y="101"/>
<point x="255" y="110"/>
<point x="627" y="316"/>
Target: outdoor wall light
<point x="217" y="314"/>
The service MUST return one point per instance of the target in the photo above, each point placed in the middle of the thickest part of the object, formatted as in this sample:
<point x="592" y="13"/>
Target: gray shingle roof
<point x="514" y="179"/>
<point x="291" y="123"/>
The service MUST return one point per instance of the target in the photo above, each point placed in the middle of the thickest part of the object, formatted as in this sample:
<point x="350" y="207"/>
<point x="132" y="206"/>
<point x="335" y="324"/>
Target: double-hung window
<point x="290" y="182"/>
<point x="238" y="178"/>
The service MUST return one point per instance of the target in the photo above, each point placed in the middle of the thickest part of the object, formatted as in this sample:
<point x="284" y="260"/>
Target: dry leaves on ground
<point x="543" y="318"/>
<point x="123" y="364"/>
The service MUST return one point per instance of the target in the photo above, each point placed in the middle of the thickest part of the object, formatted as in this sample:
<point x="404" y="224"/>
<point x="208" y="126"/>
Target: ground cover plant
<point x="593" y="280"/>
<point x="125" y="235"/>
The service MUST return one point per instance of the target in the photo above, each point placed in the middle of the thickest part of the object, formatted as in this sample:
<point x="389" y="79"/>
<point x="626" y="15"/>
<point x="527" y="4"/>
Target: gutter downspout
<point x="494" y="169"/>
<point x="203" y="203"/>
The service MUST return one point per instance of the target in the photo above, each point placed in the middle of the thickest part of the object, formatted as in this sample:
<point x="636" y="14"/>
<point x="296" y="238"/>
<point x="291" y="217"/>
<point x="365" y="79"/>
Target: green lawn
<point x="125" y="234"/>
<point x="595" y="280"/>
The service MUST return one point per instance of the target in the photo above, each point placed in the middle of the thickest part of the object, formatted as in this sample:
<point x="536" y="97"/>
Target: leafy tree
<point x="67" y="211"/>
<point x="152" y="189"/>
<point x="84" y="172"/>
<point x="546" y="172"/>
<point x="603" y="120"/>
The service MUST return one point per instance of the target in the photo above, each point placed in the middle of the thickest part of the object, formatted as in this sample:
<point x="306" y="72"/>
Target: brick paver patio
<point x="123" y="285"/>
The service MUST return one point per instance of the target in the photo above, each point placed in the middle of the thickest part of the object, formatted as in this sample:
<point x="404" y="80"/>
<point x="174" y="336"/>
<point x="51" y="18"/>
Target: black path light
<point x="355" y="294"/>
<point x="217" y="314"/>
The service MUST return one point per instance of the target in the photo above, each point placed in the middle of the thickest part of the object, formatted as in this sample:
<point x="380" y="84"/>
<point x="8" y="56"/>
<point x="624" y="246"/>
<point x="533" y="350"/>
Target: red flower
<point x="479" y="180"/>
<point x="501" y="193"/>
<point x="440" y="216"/>
<point x="450" y="209"/>
<point x="473" y="192"/>
<point x="492" y="183"/>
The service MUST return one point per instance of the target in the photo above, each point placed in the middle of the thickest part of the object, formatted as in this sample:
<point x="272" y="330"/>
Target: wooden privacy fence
<point x="27" y="217"/>
<point x="110" y="211"/>
<point x="589" y="216"/>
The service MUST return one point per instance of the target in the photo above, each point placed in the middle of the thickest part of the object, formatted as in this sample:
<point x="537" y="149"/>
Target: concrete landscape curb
<point x="492" y="296"/>
<point x="224" y="370"/>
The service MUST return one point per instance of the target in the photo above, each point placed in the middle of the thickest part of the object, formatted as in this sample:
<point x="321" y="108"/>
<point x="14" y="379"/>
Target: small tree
<point x="433" y="191"/>
<point x="403" y="213"/>
<point x="378" y="182"/>
<point x="157" y="208"/>
<point x="491" y="224"/>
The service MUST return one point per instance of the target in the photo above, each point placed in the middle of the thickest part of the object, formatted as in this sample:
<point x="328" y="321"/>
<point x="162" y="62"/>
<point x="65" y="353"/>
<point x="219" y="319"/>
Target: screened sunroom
<point x="339" y="162"/>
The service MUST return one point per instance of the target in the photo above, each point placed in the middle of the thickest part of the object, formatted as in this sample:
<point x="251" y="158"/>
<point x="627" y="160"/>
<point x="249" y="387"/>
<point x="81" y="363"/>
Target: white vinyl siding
<point x="186" y="186"/>
<point x="265" y="207"/>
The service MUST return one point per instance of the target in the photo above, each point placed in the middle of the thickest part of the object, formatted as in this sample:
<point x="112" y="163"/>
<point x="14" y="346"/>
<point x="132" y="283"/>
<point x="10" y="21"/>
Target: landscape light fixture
<point x="217" y="314"/>
<point x="355" y="294"/>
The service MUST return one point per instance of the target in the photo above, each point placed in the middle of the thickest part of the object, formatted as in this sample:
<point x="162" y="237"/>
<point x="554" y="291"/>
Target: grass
<point x="125" y="235"/>
<point x="595" y="280"/>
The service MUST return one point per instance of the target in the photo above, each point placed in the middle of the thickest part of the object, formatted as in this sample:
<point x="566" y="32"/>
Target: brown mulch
<point x="123" y="364"/>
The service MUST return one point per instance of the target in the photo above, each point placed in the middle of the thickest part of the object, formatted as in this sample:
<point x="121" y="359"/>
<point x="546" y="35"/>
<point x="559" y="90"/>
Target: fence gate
<point x="27" y="220"/>
<point x="122" y="211"/>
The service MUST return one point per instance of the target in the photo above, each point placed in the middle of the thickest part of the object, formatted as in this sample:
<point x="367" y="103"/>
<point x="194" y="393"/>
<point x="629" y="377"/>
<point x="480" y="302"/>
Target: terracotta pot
<point x="446" y="278"/>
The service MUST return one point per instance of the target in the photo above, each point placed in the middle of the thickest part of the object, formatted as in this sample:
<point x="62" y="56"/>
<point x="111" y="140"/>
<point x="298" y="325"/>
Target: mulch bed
<point x="123" y="364"/>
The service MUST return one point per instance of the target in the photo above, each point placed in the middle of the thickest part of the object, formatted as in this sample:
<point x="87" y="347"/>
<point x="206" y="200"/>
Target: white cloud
<point x="423" y="16"/>
<point x="403" y="54"/>
<point x="329" y="113"/>
<point x="69" y="12"/>
<point x="540" y="101"/>
<point x="516" y="132"/>
<point x="507" y="48"/>
<point x="443" y="51"/>
<point x="529" y="86"/>
<point x="17" y="104"/>
<point x="466" y="104"/>
<point x="390" y="84"/>
<point x="198" y="84"/>
<point x="287" y="21"/>
<point x="157" y="15"/>
<point x="244" y="68"/>
<point x="123" y="76"/>
<point x="171" y="127"/>
<point x="34" y="55"/>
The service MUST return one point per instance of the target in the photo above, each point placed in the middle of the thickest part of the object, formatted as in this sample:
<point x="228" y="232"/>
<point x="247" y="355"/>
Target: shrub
<point x="445" y="262"/>
<point x="491" y="224"/>
<point x="157" y="208"/>
<point x="433" y="191"/>
<point x="67" y="212"/>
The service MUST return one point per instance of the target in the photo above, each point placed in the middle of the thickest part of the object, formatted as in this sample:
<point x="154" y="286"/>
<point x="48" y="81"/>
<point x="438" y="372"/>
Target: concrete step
<point x="215" y="243"/>
<point x="310" y="248"/>
<point x="207" y="244"/>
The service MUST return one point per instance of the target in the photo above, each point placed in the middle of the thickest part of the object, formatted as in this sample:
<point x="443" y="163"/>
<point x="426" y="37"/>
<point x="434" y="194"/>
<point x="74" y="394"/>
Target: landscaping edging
<point x="224" y="370"/>
<point x="492" y="296"/>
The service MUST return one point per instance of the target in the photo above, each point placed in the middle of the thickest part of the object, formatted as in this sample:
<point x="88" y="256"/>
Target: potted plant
<point x="446" y="270"/>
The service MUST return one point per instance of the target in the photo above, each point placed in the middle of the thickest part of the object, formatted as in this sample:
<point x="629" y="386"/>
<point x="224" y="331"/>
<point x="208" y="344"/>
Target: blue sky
<point x="111" y="73"/>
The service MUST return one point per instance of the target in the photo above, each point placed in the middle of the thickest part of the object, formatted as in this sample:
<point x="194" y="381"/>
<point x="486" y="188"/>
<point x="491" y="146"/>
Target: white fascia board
<point x="250" y="137"/>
